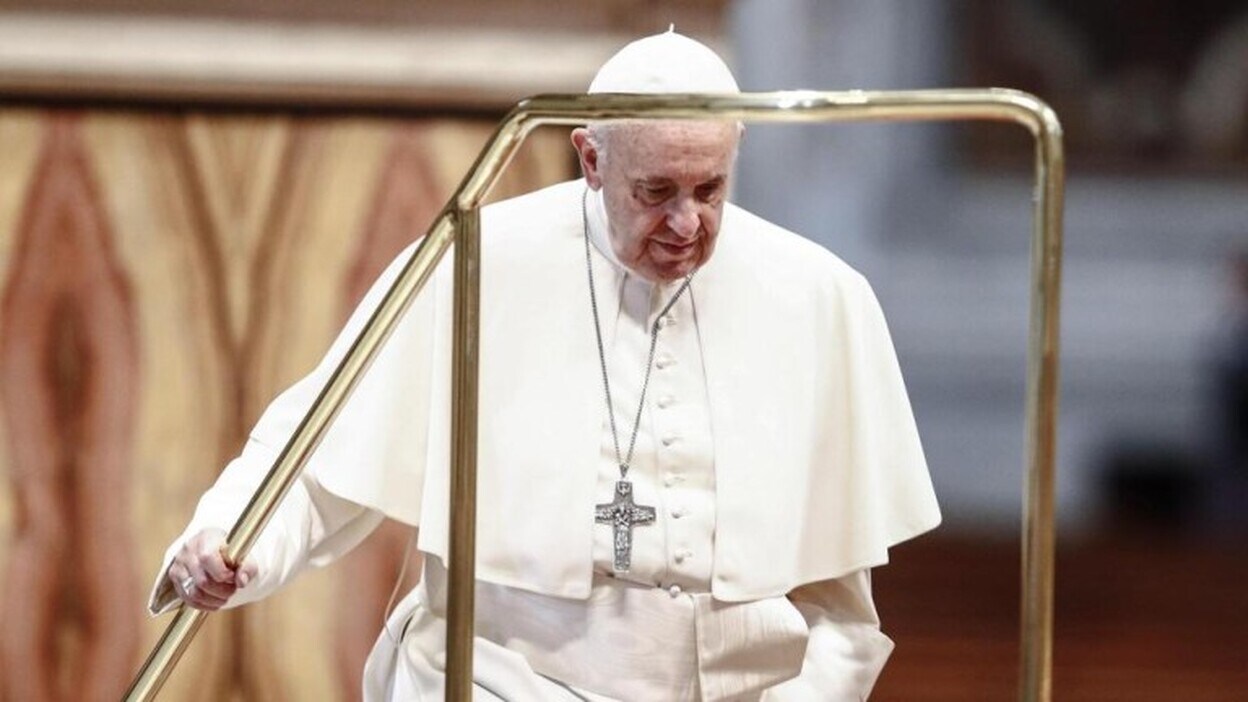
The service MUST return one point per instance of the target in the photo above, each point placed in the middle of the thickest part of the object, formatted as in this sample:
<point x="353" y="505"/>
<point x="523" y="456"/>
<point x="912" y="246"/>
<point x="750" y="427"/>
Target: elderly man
<point x="707" y="531"/>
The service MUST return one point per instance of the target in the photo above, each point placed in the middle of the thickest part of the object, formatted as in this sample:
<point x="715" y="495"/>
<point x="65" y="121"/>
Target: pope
<point x="694" y="443"/>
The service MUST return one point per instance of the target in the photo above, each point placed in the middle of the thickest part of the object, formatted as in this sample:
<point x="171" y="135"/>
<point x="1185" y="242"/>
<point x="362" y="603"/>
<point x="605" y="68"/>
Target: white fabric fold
<point x="747" y="647"/>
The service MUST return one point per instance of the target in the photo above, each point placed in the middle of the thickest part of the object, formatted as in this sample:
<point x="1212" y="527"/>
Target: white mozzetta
<point x="818" y="466"/>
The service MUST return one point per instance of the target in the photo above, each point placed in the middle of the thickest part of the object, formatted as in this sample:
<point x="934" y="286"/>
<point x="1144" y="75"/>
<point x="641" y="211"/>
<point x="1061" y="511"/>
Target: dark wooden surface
<point x="1140" y="617"/>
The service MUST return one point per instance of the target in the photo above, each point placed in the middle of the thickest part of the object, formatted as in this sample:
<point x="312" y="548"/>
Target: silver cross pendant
<point x="622" y="515"/>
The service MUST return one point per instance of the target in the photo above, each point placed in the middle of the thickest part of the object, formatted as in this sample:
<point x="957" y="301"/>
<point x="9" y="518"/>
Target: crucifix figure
<point x="622" y="515"/>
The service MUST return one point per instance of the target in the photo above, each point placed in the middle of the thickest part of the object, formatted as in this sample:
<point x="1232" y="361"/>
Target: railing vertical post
<point x="1036" y="644"/>
<point x="462" y="556"/>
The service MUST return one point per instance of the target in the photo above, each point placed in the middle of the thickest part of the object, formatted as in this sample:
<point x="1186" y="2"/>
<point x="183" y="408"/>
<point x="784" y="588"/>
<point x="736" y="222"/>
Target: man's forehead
<point x="673" y="130"/>
<point x="679" y="150"/>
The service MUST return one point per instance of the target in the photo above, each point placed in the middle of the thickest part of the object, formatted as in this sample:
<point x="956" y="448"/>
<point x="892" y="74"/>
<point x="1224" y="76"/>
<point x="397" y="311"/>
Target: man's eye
<point x="653" y="194"/>
<point x="709" y="193"/>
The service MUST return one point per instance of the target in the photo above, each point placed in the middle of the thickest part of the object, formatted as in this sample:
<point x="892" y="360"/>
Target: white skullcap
<point x="664" y="63"/>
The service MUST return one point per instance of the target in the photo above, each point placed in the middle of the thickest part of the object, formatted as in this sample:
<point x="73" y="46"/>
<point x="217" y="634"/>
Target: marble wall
<point x="163" y="274"/>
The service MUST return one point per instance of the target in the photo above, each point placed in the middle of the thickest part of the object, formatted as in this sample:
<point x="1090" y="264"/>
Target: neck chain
<point x="623" y="460"/>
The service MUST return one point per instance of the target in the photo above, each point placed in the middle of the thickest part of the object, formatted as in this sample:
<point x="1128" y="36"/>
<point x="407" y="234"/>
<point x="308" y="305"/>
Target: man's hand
<point x="200" y="575"/>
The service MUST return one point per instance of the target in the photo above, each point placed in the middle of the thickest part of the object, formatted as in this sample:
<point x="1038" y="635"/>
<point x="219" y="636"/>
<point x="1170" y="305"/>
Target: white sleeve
<point x="846" y="650"/>
<point x="312" y="526"/>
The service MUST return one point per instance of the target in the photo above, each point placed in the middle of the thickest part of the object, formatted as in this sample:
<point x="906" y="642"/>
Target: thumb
<point x="248" y="571"/>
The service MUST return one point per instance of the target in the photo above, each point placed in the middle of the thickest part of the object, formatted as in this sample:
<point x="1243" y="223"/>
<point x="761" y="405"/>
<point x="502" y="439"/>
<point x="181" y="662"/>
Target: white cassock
<point x="776" y="444"/>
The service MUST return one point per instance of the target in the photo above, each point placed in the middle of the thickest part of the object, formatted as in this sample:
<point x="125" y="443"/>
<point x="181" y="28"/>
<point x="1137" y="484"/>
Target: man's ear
<point x="587" y="153"/>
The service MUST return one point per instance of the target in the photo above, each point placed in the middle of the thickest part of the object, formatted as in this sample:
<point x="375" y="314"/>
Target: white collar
<point x="600" y="229"/>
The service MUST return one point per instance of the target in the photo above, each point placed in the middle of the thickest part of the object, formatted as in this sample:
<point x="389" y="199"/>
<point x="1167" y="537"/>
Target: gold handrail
<point x="459" y="220"/>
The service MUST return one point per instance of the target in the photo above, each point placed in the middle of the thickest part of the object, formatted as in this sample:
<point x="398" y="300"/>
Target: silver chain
<point x="602" y="354"/>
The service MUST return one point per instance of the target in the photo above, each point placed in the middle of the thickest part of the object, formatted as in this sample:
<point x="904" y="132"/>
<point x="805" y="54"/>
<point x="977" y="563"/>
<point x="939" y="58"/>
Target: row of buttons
<point x="666" y="361"/>
<point x="670" y="479"/>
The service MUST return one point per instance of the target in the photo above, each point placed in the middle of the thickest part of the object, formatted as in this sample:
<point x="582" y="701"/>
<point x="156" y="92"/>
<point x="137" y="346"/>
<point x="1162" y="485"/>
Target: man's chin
<point x="671" y="272"/>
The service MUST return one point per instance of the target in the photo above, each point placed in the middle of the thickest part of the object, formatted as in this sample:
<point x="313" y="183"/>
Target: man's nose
<point x="682" y="218"/>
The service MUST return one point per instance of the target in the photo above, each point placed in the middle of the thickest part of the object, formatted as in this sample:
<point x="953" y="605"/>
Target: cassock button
<point x="678" y="513"/>
<point x="664" y="361"/>
<point x="669" y="479"/>
<point x="666" y="401"/>
<point x="669" y="440"/>
<point x="674" y="591"/>
<point x="667" y="320"/>
<point x="682" y="555"/>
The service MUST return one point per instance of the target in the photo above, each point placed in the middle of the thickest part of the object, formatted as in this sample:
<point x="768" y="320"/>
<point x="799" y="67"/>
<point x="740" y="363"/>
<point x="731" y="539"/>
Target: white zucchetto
<point x="664" y="63"/>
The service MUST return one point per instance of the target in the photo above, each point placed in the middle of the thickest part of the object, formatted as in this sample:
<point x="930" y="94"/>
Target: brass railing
<point x="458" y="223"/>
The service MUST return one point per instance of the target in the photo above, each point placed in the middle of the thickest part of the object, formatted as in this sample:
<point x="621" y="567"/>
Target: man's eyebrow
<point x="655" y="182"/>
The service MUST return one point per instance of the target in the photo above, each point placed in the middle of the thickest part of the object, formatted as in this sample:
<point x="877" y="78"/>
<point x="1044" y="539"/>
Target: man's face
<point x="664" y="185"/>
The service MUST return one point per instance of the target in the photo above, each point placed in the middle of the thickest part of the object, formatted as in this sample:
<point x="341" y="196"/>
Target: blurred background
<point x="193" y="196"/>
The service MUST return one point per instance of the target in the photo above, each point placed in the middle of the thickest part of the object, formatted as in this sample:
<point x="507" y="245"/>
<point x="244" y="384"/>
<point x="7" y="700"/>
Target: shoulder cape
<point x="818" y="464"/>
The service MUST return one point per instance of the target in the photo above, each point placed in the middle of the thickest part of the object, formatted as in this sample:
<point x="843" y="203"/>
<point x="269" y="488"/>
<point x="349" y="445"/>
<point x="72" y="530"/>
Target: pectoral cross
<point x="622" y="515"/>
